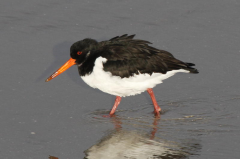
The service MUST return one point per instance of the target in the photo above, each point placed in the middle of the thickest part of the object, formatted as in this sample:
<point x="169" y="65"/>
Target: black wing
<point x="127" y="56"/>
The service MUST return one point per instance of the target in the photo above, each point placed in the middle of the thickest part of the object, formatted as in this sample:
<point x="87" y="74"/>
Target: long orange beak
<point x="64" y="67"/>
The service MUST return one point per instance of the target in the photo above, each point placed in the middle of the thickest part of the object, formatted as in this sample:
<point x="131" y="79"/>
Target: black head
<point x="79" y="53"/>
<point x="81" y="49"/>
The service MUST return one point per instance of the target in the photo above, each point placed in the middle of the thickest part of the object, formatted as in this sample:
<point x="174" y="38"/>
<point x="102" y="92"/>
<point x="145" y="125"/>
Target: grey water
<point x="64" y="117"/>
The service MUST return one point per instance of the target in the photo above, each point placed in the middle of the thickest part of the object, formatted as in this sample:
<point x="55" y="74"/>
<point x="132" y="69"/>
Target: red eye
<point x="79" y="52"/>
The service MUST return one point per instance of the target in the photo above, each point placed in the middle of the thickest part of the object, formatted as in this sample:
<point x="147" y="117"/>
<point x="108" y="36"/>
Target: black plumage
<point x="125" y="57"/>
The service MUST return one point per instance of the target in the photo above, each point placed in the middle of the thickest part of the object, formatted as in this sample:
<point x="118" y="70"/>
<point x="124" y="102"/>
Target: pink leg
<point x="157" y="109"/>
<point x="117" y="102"/>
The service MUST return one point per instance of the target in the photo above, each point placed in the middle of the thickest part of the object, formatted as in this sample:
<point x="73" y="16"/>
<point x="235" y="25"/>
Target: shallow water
<point x="64" y="117"/>
<point x="143" y="138"/>
<point x="176" y="134"/>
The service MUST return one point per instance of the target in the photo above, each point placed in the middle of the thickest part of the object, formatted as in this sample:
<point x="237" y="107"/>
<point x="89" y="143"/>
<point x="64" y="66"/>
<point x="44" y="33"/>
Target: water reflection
<point x="121" y="143"/>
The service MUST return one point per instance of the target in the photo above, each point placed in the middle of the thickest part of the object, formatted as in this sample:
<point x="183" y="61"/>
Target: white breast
<point x="122" y="87"/>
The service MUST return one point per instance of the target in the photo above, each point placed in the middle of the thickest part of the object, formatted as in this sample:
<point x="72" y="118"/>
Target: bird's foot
<point x="157" y="110"/>
<point x="109" y="115"/>
<point x="106" y="116"/>
<point x="157" y="113"/>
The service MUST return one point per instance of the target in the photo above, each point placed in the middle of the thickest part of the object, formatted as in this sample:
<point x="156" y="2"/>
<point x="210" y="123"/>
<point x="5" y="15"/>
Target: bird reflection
<point x="122" y="144"/>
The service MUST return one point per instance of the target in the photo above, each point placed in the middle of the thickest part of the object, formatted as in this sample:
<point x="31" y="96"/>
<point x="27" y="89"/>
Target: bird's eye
<point x="79" y="52"/>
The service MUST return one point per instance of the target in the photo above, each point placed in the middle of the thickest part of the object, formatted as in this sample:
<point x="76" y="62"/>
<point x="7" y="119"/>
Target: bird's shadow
<point x="61" y="53"/>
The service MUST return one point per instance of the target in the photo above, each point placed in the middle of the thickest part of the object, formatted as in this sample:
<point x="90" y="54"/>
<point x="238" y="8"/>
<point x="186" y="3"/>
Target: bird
<point x="123" y="66"/>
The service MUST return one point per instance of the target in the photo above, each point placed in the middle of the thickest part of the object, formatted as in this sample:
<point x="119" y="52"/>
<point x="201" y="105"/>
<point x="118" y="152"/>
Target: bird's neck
<point x="87" y="66"/>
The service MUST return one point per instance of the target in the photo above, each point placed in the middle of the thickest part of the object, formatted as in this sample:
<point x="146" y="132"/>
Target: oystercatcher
<point x="123" y="66"/>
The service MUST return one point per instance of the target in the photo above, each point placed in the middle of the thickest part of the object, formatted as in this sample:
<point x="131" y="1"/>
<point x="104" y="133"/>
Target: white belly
<point x="123" y="86"/>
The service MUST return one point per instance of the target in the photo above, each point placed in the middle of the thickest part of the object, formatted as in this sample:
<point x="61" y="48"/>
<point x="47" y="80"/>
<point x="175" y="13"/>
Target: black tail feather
<point x="190" y="64"/>
<point x="189" y="68"/>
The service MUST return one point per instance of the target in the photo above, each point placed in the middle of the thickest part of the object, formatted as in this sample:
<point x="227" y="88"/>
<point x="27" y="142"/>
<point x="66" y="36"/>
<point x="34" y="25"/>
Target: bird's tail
<point x="190" y="68"/>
